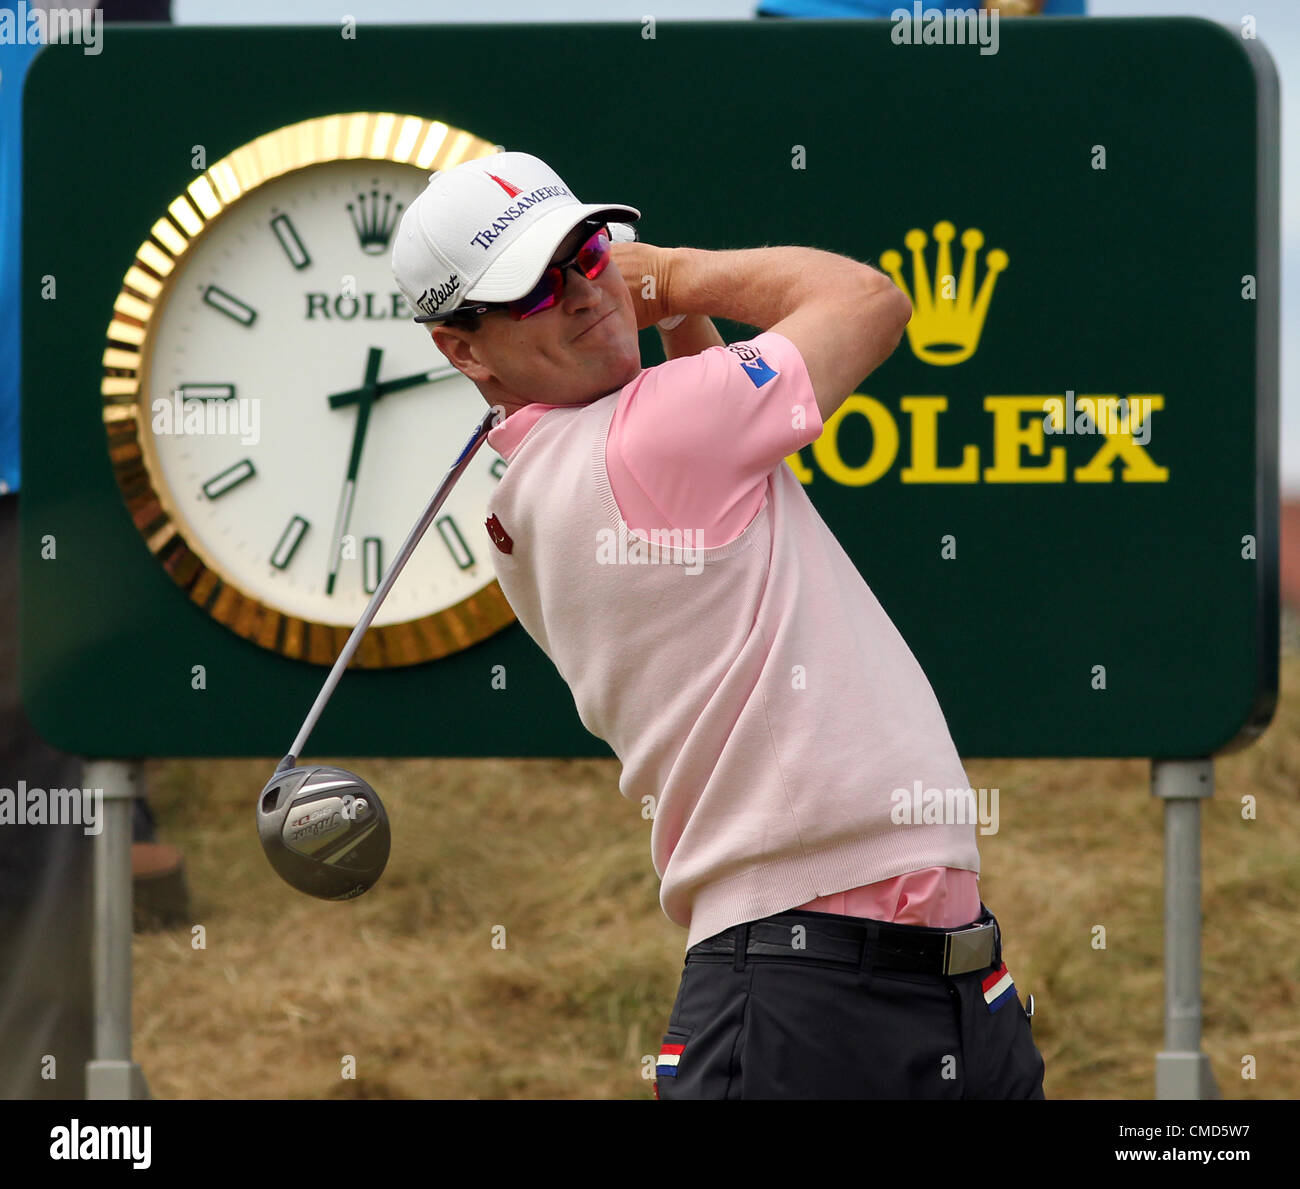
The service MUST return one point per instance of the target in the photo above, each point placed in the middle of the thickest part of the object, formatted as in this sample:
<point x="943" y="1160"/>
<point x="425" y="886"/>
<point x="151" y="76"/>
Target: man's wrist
<point x="695" y="333"/>
<point x="666" y="260"/>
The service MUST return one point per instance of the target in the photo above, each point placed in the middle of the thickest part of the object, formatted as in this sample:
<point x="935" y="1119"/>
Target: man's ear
<point x="459" y="350"/>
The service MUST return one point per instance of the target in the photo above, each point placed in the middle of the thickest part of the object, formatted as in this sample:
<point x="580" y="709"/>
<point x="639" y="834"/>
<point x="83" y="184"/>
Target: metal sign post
<point x="112" y="1074"/>
<point x="1182" y="1070"/>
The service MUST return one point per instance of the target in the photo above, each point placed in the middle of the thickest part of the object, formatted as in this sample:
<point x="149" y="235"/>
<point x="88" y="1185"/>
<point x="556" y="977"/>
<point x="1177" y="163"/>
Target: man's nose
<point x="579" y="292"/>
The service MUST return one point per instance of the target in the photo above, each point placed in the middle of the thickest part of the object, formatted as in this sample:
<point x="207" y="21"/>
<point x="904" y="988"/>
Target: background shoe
<point x="158" y="877"/>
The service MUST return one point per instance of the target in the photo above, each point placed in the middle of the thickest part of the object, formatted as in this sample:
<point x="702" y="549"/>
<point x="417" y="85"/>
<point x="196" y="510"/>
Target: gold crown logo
<point x="945" y="329"/>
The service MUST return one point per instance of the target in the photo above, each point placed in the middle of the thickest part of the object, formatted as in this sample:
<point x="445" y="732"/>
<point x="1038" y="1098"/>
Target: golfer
<point x="650" y="538"/>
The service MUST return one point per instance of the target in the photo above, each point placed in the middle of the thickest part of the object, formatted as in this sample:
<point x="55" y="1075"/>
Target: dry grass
<point x="407" y="981"/>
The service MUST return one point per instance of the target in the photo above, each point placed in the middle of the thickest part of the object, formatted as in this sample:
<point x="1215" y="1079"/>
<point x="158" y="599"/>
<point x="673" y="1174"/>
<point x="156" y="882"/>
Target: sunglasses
<point x="590" y="259"/>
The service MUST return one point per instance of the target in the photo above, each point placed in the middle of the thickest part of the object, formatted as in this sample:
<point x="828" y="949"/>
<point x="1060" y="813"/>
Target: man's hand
<point x="693" y="334"/>
<point x="647" y="270"/>
<point x="844" y="317"/>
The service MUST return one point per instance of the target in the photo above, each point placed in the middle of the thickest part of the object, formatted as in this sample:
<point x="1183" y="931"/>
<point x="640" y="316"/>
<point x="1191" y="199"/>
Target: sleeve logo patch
<point x="756" y="367"/>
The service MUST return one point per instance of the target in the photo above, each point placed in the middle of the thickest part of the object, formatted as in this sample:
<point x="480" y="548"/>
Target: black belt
<point x="856" y="941"/>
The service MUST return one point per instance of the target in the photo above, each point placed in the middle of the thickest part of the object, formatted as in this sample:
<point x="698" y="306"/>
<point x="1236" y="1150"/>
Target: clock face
<point x="296" y="501"/>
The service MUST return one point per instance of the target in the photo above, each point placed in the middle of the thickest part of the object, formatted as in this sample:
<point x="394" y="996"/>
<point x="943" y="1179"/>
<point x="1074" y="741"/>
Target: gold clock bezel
<point x="355" y="136"/>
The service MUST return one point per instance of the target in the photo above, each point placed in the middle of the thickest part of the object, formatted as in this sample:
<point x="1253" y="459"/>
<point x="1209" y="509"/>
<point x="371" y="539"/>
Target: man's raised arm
<point x="844" y="318"/>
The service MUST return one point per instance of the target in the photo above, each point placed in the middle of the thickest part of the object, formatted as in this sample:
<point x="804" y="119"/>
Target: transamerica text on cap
<point x="485" y="237"/>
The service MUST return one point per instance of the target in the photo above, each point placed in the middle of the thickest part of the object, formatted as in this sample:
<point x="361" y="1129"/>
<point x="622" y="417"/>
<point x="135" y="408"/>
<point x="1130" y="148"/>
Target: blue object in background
<point x="14" y="60"/>
<point x="865" y="9"/>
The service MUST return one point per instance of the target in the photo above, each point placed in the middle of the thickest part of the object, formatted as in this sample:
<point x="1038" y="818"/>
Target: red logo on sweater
<point x="500" y="538"/>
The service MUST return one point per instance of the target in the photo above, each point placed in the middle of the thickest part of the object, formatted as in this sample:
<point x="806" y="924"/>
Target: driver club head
<point x="324" y="830"/>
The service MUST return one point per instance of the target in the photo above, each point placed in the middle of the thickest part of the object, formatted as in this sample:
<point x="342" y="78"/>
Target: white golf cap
<point x="486" y="230"/>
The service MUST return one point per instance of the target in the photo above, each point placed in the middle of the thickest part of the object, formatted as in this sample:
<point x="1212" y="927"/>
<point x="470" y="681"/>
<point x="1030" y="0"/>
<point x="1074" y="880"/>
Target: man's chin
<point x="627" y="375"/>
<point x="625" y="382"/>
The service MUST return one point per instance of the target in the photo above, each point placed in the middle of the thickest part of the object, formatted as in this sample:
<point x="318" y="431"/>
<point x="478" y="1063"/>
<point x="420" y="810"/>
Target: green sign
<point x="1062" y="487"/>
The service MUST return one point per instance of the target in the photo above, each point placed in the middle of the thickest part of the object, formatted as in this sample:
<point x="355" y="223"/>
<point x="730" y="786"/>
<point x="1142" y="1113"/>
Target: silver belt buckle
<point x="969" y="949"/>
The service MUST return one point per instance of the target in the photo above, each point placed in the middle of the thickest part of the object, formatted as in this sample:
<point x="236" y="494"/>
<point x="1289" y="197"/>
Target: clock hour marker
<point x="287" y="234"/>
<point x="229" y="305"/>
<point x="451" y="537"/>
<point x="229" y="478"/>
<point x="289" y="542"/>
<point x="372" y="564"/>
<point x="206" y="391"/>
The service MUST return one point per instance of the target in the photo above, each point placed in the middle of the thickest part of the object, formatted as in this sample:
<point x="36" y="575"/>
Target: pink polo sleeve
<point x="693" y="440"/>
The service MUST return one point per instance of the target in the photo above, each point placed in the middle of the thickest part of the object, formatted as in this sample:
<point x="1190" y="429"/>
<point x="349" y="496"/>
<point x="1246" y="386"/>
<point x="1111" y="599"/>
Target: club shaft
<point x="390" y="576"/>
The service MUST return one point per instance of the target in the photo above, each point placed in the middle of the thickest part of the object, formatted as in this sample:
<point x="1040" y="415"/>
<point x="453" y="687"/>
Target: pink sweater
<point x="736" y="662"/>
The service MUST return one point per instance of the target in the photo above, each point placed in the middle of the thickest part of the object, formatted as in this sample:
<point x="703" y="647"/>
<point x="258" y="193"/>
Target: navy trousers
<point x="790" y="1026"/>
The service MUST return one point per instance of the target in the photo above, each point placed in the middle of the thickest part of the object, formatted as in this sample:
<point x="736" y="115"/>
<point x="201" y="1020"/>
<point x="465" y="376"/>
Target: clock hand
<point x="365" y="401"/>
<point x="339" y="399"/>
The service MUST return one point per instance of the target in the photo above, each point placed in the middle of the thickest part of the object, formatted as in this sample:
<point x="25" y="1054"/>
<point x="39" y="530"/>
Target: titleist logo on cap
<point x="432" y="298"/>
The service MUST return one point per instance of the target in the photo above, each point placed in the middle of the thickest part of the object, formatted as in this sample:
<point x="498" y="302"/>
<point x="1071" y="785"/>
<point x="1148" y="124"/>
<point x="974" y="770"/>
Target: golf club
<point x="325" y="829"/>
